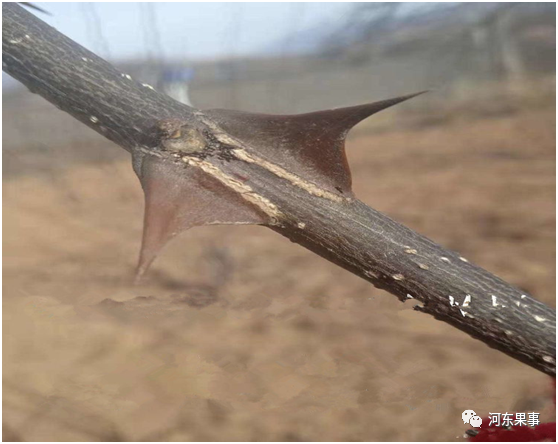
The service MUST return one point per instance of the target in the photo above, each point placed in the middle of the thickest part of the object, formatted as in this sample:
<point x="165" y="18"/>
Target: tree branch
<point x="337" y="227"/>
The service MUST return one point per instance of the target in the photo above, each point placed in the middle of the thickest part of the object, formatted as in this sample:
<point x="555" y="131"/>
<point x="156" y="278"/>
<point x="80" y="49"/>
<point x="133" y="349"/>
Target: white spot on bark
<point x="539" y="318"/>
<point x="463" y="313"/>
<point x="411" y="251"/>
<point x="148" y="86"/>
<point x="85" y="59"/>
<point x="398" y="277"/>
<point x="508" y="332"/>
<point x="93" y="119"/>
<point x="424" y="266"/>
<point x="495" y="302"/>
<point x="128" y="76"/>
<point x="409" y="296"/>
<point x="16" y="41"/>
<point x="27" y="36"/>
<point x="518" y="303"/>
<point x="461" y="258"/>
<point x="445" y="259"/>
<point x="467" y="300"/>
<point x="371" y="274"/>
<point x="451" y="300"/>
<point x="523" y="296"/>
<point x="549" y="359"/>
<point x="301" y="225"/>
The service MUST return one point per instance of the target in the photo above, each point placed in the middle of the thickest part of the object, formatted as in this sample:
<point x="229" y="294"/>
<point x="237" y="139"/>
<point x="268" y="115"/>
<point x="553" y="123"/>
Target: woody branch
<point x="343" y="230"/>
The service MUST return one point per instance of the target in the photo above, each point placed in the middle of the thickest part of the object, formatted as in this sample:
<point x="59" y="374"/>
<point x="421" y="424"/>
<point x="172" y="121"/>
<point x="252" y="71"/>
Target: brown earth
<point x="236" y="334"/>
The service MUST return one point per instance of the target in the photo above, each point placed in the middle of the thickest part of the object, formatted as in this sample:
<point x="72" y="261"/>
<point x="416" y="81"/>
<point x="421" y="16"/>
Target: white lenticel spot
<point x="301" y="225"/>
<point x="539" y="318"/>
<point x="523" y="296"/>
<point x="411" y="251"/>
<point x="398" y="277"/>
<point x="93" y="119"/>
<point x="423" y="266"/>
<point x="461" y="258"/>
<point x="148" y="86"/>
<point x="445" y="259"/>
<point x="548" y="359"/>
<point x="467" y="300"/>
<point x="409" y="296"/>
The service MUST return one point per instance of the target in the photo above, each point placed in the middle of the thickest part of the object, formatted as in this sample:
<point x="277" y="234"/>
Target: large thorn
<point x="310" y="145"/>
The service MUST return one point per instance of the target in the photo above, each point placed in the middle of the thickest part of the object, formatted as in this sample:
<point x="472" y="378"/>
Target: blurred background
<point x="236" y="334"/>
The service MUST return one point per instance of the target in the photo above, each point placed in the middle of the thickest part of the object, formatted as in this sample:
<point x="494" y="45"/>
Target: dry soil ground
<point x="237" y="334"/>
